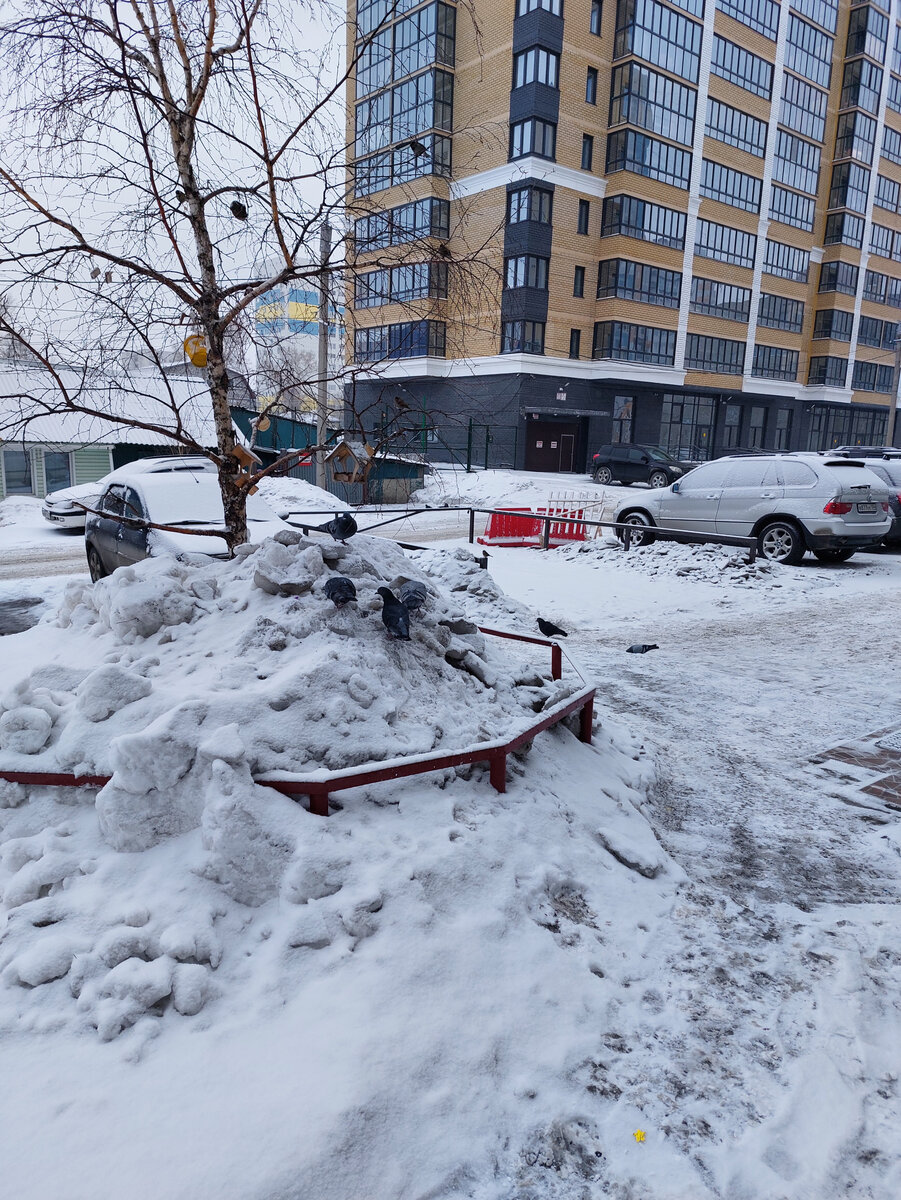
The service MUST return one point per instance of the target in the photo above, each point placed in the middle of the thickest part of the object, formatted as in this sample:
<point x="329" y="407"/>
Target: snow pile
<point x="701" y="564"/>
<point x="188" y="679"/>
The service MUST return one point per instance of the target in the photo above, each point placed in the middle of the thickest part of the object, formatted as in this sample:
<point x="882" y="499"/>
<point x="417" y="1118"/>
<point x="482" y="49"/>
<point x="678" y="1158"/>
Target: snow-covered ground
<point x="663" y="967"/>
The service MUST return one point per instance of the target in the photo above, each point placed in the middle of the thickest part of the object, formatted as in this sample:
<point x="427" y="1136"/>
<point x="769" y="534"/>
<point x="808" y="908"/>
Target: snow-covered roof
<point x="34" y="409"/>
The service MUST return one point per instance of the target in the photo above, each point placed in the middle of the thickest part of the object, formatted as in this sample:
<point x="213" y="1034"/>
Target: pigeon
<point x="340" y="527"/>
<point x="340" y="590"/>
<point x="395" y="616"/>
<point x="412" y="595"/>
<point x="549" y="629"/>
<point x="641" y="648"/>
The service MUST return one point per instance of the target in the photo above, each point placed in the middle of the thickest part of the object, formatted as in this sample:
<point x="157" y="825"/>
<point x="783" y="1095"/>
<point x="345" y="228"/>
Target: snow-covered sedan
<point x="120" y="536"/>
<point x="63" y="508"/>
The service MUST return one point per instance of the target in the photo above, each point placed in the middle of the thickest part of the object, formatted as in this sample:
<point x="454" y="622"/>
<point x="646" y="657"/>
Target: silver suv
<point x="790" y="502"/>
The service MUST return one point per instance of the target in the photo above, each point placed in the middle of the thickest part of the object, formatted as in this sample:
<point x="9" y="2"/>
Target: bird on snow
<point x="341" y="527"/>
<point x="412" y="594"/>
<point x="549" y="629"/>
<point x="395" y="616"/>
<point x="340" y="590"/>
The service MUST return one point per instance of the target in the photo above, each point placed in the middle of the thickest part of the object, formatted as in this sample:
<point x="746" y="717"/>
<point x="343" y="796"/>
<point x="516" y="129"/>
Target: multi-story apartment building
<point x="668" y="221"/>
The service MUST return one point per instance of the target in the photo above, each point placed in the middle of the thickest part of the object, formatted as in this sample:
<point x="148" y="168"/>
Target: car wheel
<point x="833" y="556"/>
<point x="640" y="533"/>
<point x="658" y="479"/>
<point x="603" y="475"/>
<point x="781" y="541"/>
<point x="95" y="565"/>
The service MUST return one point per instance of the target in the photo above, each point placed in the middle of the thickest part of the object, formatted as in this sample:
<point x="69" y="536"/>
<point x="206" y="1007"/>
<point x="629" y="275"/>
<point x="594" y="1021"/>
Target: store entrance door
<point x="550" y="445"/>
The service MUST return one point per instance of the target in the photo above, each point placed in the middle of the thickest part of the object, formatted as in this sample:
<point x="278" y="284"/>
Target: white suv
<point x="790" y="502"/>
<point x="65" y="507"/>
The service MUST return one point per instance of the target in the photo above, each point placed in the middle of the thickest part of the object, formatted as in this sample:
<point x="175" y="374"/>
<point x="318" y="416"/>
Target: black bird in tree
<point x="549" y="629"/>
<point x="412" y="594"/>
<point x="340" y="527"/>
<point x="340" y="590"/>
<point x="395" y="616"/>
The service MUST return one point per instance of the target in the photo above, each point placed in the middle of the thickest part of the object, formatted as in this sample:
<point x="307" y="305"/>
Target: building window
<point x="522" y="337"/>
<point x="630" y="151"/>
<point x="575" y="341"/>
<point x="881" y="240"/>
<point x="627" y="280"/>
<point x="631" y="217"/>
<point x="786" y="261"/>
<point x="861" y="85"/>
<point x="725" y="244"/>
<point x="533" y="137"/>
<point x="717" y="299"/>
<point x="872" y="377"/>
<point x="893" y="99"/>
<point x="828" y="372"/>
<point x="594" y="21"/>
<point x="419" y="281"/>
<point x="721" y="356"/>
<point x="371" y="289"/>
<point x="881" y="334"/>
<point x="587" y="151"/>
<point x="838" y="277"/>
<point x="833" y="323"/>
<point x="808" y="52"/>
<point x="783" y="431"/>
<point x="791" y="208"/>
<point x="843" y="229"/>
<point x="584" y="214"/>
<point x="405" y="223"/>
<point x="882" y="289"/>
<point x="591" y="86"/>
<point x="408" y="339"/>
<point x="756" y="425"/>
<point x="761" y="15"/>
<point x="579" y="282"/>
<point x="526" y="270"/>
<point x="729" y="186"/>
<point x="772" y="362"/>
<point x="639" y="96"/>
<point x="731" y="426"/>
<point x="634" y="343"/>
<point x="867" y="33"/>
<point x="374" y="64"/>
<point x="797" y="163"/>
<point x="824" y="12"/>
<point x="422" y="103"/>
<point x="527" y="6"/>
<point x="660" y="36"/>
<point x="741" y="67"/>
<point x="736" y="128"/>
<point x="891" y="145"/>
<point x="803" y="108"/>
<point x="423" y="38"/>
<point x="887" y="193"/>
<point x="622" y="419"/>
<point x="855" y="137"/>
<point x="430" y="155"/>
<point x="778" y="312"/>
<point x="536" y="65"/>
<point x="529" y="204"/>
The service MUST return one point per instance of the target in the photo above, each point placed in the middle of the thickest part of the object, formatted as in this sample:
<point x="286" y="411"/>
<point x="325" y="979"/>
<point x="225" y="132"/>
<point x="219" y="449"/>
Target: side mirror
<point x="675" y="487"/>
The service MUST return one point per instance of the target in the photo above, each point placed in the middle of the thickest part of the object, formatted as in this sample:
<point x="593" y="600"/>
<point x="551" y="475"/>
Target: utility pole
<point x="325" y="250"/>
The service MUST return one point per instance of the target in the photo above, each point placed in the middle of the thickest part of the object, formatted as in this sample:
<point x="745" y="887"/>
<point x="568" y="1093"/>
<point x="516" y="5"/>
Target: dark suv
<point x="631" y="463"/>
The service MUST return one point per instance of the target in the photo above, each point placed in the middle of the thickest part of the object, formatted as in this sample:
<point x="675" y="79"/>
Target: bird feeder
<point x="247" y="461"/>
<point x="350" y="461"/>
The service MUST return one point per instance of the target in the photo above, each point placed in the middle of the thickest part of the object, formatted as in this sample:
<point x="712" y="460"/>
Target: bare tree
<point x="165" y="165"/>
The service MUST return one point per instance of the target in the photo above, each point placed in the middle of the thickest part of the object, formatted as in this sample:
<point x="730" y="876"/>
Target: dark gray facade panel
<point x="538" y="28"/>
<point x="524" y="304"/>
<point x="534" y="100"/>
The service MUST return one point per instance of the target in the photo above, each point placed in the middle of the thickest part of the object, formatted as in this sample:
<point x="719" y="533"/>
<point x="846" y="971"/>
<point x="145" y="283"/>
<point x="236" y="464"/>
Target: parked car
<point x="865" y="451"/>
<point x="791" y="503"/>
<point x="630" y="463"/>
<point x="61" y="509"/>
<point x="889" y="470"/>
<point x="119" y="536"/>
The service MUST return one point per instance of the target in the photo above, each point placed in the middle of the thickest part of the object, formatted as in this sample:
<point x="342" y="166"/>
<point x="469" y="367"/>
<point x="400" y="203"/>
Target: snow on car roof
<point x="172" y="497"/>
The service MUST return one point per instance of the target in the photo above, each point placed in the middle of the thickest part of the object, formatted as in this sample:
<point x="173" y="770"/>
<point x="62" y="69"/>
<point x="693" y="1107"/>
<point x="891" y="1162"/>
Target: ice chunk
<point x="309" y="929"/>
<point x="109" y="689"/>
<point x="190" y="984"/>
<point x="25" y="729"/>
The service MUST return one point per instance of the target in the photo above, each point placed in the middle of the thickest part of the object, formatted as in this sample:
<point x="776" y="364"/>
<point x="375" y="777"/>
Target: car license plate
<point x="52" y="517"/>
<point x="866" y="508"/>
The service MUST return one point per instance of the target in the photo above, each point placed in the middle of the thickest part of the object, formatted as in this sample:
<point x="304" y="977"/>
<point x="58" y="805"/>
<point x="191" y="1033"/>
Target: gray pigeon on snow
<point x="341" y="527"/>
<point x="395" y="616"/>
<point x="412" y="594"/>
<point x="340" y="590"/>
